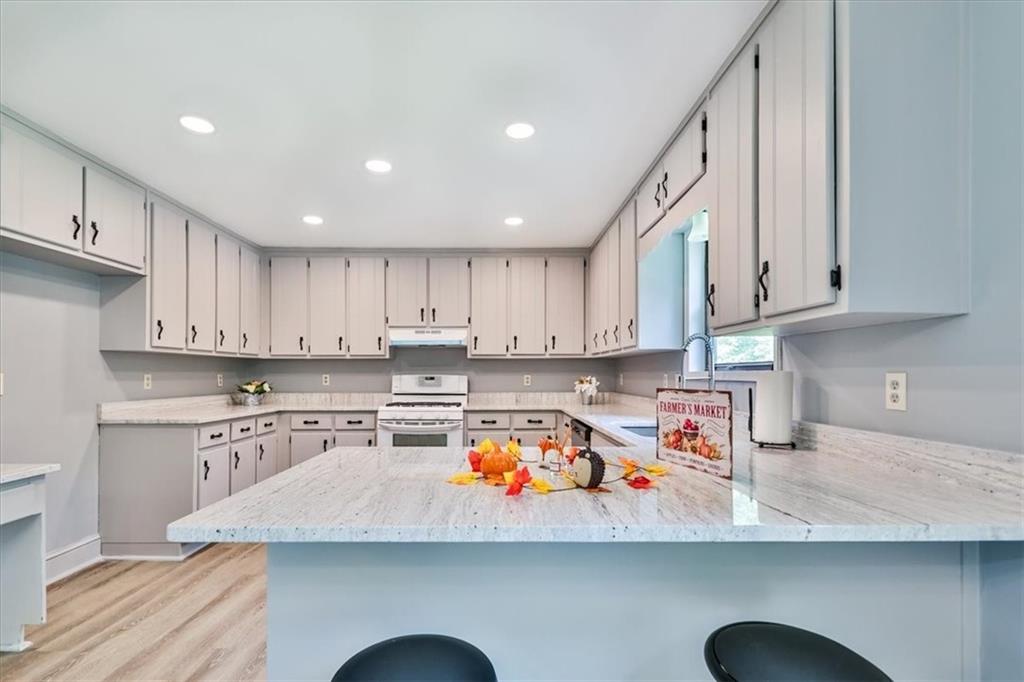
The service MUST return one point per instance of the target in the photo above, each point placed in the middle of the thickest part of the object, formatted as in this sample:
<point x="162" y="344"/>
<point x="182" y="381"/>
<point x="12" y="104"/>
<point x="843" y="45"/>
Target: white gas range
<point x="425" y="411"/>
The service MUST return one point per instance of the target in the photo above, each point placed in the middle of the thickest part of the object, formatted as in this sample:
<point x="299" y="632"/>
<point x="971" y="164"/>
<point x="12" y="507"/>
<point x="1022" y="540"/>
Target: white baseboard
<point x="62" y="562"/>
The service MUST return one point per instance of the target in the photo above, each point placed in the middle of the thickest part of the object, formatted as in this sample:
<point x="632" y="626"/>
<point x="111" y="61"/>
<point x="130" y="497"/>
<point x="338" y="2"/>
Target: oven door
<point x="411" y="433"/>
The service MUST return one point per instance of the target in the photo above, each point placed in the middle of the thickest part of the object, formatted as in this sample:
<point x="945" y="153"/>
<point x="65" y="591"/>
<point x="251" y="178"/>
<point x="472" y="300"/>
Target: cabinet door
<point x="474" y="438"/>
<point x="309" y="444"/>
<point x="41" y="192"/>
<point x="406" y="285"/>
<point x="115" y="218"/>
<point x="249" y="302"/>
<point x="489" y="306"/>
<point x="366" y="307"/>
<point x="684" y="161"/>
<point x="352" y="439"/>
<point x="596" y="297"/>
<point x="214" y="475"/>
<point x="243" y="464"/>
<point x="168" y="277"/>
<point x="228" y="272"/>
<point x="565" y="305"/>
<point x="611" y="333"/>
<point x="627" y="277"/>
<point x="650" y="202"/>
<point x="526" y="305"/>
<point x="796" y="202"/>
<point x="327" y="306"/>
<point x="449" y="292"/>
<point x="289" y="301"/>
<point x="202" y="286"/>
<point x="732" y="228"/>
<point x="266" y="456"/>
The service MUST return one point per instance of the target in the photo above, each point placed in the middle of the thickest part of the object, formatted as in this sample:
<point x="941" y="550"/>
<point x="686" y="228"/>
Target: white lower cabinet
<point x="309" y="444"/>
<point x="243" y="464"/>
<point x="266" y="456"/>
<point x="214" y="475"/>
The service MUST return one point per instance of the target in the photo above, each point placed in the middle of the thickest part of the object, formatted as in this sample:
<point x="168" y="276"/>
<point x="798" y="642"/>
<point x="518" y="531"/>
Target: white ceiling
<point x="303" y="93"/>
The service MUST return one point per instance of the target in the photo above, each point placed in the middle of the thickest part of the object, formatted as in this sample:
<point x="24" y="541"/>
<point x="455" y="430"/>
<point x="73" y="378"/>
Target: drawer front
<point x="361" y="439"/>
<point x="355" y="421"/>
<point x="534" y="420"/>
<point x="217" y="434"/>
<point x="530" y="437"/>
<point x="243" y="429"/>
<point x="488" y="420"/>
<point x="474" y="438"/>
<point x="266" y="424"/>
<point x="309" y="421"/>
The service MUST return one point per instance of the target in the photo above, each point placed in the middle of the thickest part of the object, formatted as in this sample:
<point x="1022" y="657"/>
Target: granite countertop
<point x="13" y="472"/>
<point x="851" y="494"/>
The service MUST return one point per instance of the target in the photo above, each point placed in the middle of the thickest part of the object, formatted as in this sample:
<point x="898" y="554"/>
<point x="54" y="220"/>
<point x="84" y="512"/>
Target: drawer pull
<point x="354" y="421"/>
<point x="310" y="422"/>
<point x="215" y="436"/>
<point x="267" y="425"/>
<point x="245" y="429"/>
<point x="488" y="421"/>
<point x="534" y="421"/>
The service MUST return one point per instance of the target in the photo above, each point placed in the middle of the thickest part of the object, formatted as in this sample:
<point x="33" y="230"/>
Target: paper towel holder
<point x="791" y="445"/>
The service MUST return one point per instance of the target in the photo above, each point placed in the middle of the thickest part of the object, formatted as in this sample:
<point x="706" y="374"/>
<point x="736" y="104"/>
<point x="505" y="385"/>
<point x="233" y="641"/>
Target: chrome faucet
<point x="709" y="346"/>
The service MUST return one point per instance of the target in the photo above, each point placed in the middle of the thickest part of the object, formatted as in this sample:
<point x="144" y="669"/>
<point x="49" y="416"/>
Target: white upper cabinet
<point x="449" y="292"/>
<point x="367" y="329"/>
<point x="596" y="297"/>
<point x="796" y="201"/>
<point x="289" y="305"/>
<point x="526" y="305"/>
<point x="684" y="161"/>
<point x="202" y="286"/>
<point x="327" y="306"/>
<point x="228" y="300"/>
<point x="627" y="276"/>
<point x="650" y="201"/>
<point x="406" y="291"/>
<point x="732" y="239"/>
<point x="41" y="189"/>
<point x="249" y="302"/>
<point x="564" y="305"/>
<point x="167" y="277"/>
<point x="115" y="218"/>
<point x="611" y="333"/>
<point x="489" y="314"/>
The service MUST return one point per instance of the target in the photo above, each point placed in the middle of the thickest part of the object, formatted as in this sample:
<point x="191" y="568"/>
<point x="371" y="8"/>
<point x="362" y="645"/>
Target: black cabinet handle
<point x="472" y="441"/>
<point x="95" y="231"/>
<point x="711" y="299"/>
<point x="423" y="312"/>
<point x="221" y="337"/>
<point x="615" y="333"/>
<point x="488" y="421"/>
<point x="515" y="342"/>
<point x="215" y="436"/>
<point x="534" y="421"/>
<point x="245" y="339"/>
<point x="630" y="327"/>
<point x="595" y="340"/>
<point x="194" y="332"/>
<point x="245" y="429"/>
<point x="354" y="421"/>
<point x="605" y="337"/>
<point x="261" y="452"/>
<point x="433" y="314"/>
<point x="380" y="340"/>
<point x="657" y="195"/>
<point x="552" y="342"/>
<point x="760" y="280"/>
<point x="664" y="187"/>
<point x="236" y="460"/>
<point x="159" y="329"/>
<point x="519" y="441"/>
<point x="325" y="445"/>
<point x="340" y="346"/>
<point x="267" y="425"/>
<point x="78" y="227"/>
<point x="369" y="442"/>
<point x="301" y="339"/>
<point x="475" y="339"/>
<point x="309" y="422"/>
<point x="206" y="469"/>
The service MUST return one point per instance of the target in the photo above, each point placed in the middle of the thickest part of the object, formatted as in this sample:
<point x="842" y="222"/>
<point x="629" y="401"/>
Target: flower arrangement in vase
<point x="251" y="393"/>
<point x="586" y="386"/>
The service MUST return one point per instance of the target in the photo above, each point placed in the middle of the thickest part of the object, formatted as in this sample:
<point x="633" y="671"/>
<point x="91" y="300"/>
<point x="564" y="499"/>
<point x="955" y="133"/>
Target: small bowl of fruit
<point x="691" y="429"/>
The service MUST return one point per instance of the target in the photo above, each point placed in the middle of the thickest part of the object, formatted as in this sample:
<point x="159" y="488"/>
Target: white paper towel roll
<point x="773" y="408"/>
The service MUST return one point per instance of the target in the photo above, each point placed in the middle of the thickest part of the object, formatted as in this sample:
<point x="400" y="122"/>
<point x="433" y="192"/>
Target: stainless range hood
<point x="433" y="337"/>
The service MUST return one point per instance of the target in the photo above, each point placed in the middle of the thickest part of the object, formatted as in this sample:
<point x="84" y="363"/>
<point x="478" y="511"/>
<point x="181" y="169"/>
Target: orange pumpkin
<point x="496" y="462"/>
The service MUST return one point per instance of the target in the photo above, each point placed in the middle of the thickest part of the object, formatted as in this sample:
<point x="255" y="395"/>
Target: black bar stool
<point x="754" y="650"/>
<point x="426" y="658"/>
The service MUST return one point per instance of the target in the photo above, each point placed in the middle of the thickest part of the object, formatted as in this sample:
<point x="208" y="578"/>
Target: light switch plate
<point x="527" y="380"/>
<point x="679" y="380"/>
<point x="220" y="380"/>
<point x="896" y="391"/>
<point x="147" y="381"/>
<point x="325" y="379"/>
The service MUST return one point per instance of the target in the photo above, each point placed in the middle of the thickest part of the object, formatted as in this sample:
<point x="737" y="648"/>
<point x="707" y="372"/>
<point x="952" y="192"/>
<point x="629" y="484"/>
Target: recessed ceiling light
<point x="196" y="124"/>
<point x="514" y="221"/>
<point x="312" y="220"/>
<point x="519" y="131"/>
<point x="378" y="166"/>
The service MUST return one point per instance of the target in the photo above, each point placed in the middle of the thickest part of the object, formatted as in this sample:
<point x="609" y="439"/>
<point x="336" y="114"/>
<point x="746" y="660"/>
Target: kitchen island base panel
<point x="620" y="611"/>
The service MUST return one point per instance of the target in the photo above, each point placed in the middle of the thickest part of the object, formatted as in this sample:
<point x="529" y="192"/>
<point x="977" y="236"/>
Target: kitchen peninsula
<point x="866" y="539"/>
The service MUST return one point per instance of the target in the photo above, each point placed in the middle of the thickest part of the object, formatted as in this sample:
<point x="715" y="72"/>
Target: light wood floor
<point x="200" y="619"/>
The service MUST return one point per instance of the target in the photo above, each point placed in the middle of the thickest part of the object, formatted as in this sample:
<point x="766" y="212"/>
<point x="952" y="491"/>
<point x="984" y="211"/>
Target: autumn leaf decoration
<point x="474" y="458"/>
<point x="630" y="467"/>
<point x="516" y="480"/>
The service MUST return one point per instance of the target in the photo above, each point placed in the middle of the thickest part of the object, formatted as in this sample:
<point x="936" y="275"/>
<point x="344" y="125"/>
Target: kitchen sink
<point x="644" y="431"/>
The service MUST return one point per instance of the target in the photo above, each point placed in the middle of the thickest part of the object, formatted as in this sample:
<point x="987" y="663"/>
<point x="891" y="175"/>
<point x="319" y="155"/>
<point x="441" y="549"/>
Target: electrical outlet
<point x="527" y="380"/>
<point x="220" y="380"/>
<point x="325" y="379"/>
<point x="147" y="381"/>
<point x="896" y="391"/>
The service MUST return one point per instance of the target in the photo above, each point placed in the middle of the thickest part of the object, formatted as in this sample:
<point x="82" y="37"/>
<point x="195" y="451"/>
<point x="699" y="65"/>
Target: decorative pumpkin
<point x="495" y="463"/>
<point x="587" y="469"/>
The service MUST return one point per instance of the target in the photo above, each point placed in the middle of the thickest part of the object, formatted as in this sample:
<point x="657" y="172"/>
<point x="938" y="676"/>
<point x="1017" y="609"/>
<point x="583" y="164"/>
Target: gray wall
<point x="54" y="376"/>
<point x="643" y="374"/>
<point x="964" y="374"/>
<point x="484" y="375"/>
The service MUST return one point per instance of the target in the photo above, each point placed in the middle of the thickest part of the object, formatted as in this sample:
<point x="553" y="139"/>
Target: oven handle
<point x="397" y="427"/>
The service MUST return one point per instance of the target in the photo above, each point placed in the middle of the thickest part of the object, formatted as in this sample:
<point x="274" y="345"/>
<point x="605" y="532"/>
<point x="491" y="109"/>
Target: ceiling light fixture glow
<point x="196" y="124"/>
<point x="378" y="166"/>
<point x="312" y="220"/>
<point x="514" y="221"/>
<point x="519" y="131"/>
